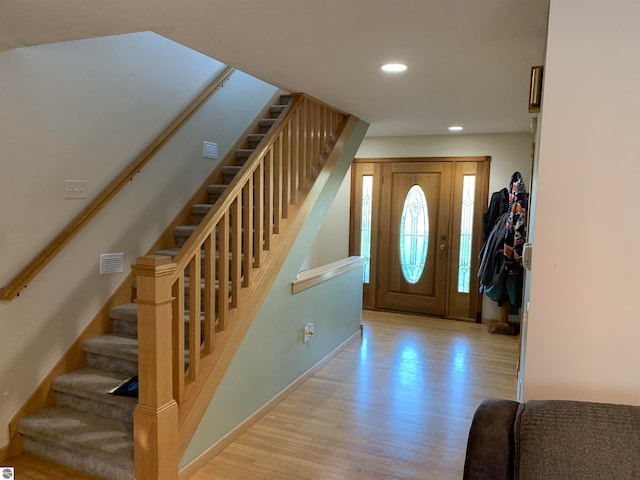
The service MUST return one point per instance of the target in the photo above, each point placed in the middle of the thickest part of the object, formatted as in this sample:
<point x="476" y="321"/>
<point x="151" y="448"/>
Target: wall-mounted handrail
<point x="21" y="280"/>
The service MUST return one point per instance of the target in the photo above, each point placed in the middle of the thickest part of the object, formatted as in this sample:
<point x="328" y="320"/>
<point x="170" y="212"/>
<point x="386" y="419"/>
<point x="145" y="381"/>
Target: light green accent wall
<point x="273" y="354"/>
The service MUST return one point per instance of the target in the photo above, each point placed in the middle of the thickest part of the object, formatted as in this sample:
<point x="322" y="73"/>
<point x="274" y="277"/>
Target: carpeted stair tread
<point x="112" y="352"/>
<point x="113" y="345"/>
<point x="242" y="155"/>
<point x="78" y="437"/>
<point x="169" y="252"/>
<point x="244" y="152"/>
<point x="229" y="172"/>
<point x="276" y="110"/>
<point x="88" y="389"/>
<point x="267" y="122"/>
<point x="185" y="229"/>
<point x="215" y="191"/>
<point x="201" y="208"/>
<point x="217" y="188"/>
<point x="254" y="139"/>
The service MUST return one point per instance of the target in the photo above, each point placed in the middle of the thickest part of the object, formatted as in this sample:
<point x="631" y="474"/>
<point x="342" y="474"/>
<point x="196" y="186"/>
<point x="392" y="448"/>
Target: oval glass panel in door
<point x="414" y="234"/>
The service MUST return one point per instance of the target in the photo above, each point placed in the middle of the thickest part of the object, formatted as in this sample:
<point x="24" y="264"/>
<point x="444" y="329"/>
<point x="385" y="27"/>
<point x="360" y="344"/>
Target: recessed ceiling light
<point x="455" y="128"/>
<point x="393" y="67"/>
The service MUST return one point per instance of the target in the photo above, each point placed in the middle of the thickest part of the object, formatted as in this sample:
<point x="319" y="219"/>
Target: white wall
<point x="84" y="110"/>
<point x="583" y="339"/>
<point x="509" y="152"/>
<point x="332" y="241"/>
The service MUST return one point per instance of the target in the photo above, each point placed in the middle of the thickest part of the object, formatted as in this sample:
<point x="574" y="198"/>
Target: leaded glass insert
<point x="414" y="234"/>
<point x="365" y="226"/>
<point x="466" y="233"/>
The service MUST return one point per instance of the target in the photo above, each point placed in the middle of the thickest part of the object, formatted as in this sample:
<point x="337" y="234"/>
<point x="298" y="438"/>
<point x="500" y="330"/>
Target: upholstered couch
<point x="553" y="440"/>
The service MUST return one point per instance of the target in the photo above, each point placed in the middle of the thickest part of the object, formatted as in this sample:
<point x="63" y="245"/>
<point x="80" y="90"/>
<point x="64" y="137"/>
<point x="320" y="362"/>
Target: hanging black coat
<point x="497" y="207"/>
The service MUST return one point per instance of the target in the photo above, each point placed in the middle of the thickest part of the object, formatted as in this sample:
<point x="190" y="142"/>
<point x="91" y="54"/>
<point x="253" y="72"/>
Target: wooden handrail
<point x="310" y="278"/>
<point x="230" y="260"/>
<point x="21" y="280"/>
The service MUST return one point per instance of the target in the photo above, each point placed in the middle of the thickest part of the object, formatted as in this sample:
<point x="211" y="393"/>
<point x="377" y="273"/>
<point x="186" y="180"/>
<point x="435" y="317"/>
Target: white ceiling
<point x="469" y="60"/>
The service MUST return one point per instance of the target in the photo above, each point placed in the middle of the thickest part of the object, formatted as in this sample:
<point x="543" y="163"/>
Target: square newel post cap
<point x="153" y="263"/>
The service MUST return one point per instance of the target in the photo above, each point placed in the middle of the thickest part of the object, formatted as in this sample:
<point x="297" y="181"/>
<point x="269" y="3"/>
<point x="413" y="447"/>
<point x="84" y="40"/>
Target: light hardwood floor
<point x="395" y="405"/>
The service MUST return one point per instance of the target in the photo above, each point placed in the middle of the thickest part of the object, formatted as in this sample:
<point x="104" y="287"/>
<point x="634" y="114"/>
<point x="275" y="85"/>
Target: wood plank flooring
<point x="28" y="467"/>
<point x="395" y="405"/>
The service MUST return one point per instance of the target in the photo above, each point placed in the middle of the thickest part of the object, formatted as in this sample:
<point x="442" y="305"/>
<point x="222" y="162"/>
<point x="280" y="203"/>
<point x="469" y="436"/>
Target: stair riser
<point x="215" y="192"/>
<point x="91" y="463"/>
<point x="93" y="406"/>
<point x="213" y="197"/>
<point x="198" y="217"/>
<point x="276" y="110"/>
<point x="266" y="124"/>
<point x="181" y="238"/>
<point x="113" y="364"/>
<point x="240" y="160"/>
<point x="125" y="328"/>
<point x="187" y="297"/>
<point x="129" y="329"/>
<point x="255" y="142"/>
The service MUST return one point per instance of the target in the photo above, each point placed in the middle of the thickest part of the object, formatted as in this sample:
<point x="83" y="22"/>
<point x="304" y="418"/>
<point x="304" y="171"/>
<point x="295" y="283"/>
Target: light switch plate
<point x="75" y="189"/>
<point x="210" y="150"/>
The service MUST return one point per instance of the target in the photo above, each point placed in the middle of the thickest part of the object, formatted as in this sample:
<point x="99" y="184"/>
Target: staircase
<point x="90" y="429"/>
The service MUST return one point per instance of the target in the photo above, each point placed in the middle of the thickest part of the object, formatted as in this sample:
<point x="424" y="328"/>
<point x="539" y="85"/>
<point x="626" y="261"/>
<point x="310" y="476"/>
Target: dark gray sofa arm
<point x="490" y="446"/>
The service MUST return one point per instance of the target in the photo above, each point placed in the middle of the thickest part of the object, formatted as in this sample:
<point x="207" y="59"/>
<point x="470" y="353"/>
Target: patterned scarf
<point x="515" y="233"/>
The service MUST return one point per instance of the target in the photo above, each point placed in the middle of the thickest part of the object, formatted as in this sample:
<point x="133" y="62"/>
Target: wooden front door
<point x="414" y="229"/>
<point x="418" y="224"/>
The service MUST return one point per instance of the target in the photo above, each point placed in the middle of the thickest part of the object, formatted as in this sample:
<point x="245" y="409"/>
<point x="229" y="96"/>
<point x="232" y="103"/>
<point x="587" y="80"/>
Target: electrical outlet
<point x="308" y="331"/>
<point x="75" y="189"/>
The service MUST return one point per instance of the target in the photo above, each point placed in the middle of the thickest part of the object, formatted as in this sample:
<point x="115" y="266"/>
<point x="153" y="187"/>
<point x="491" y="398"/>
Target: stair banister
<point x="43" y="257"/>
<point x="259" y="210"/>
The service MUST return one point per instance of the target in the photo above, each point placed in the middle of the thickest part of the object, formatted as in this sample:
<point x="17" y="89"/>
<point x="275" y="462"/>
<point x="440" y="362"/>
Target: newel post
<point x="155" y="419"/>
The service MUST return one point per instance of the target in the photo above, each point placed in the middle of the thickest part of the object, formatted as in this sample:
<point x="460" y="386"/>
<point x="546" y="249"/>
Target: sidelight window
<point x="466" y="233"/>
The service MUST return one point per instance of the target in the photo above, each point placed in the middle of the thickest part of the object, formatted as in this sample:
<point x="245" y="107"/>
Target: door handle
<point x="442" y="246"/>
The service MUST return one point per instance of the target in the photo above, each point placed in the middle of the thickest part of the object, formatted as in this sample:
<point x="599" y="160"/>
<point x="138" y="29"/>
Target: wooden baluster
<point x="247" y="234"/>
<point x="316" y="144"/>
<point x="310" y="151"/>
<point x="209" y="294"/>
<point x="304" y="140"/>
<point x="278" y="180"/>
<point x="194" y="316"/>
<point x="258" y="214"/>
<point x="323" y="134"/>
<point x="156" y="415"/>
<point x="268" y="196"/>
<point x="295" y="156"/>
<point x="236" y="250"/>
<point x="223" y="271"/>
<point x="285" y="172"/>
